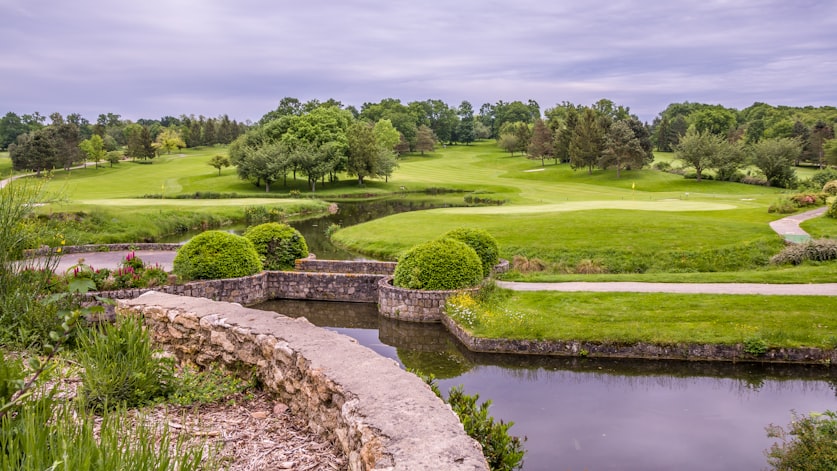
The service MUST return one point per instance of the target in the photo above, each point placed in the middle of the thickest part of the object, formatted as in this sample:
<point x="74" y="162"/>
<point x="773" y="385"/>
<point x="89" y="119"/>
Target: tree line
<point x="36" y="145"/>
<point x="322" y="139"/>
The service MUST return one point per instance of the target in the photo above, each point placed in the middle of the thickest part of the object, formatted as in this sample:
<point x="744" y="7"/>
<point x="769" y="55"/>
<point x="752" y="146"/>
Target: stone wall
<point x="379" y="415"/>
<point x="359" y="288"/>
<point x="410" y="304"/>
<point x="366" y="267"/>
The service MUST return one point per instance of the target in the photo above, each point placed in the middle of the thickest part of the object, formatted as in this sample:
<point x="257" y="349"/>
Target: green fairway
<point x="5" y="165"/>
<point x="663" y="319"/>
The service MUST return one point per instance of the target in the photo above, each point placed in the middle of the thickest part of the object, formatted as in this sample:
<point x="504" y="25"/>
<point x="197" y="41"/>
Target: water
<point x="585" y="414"/>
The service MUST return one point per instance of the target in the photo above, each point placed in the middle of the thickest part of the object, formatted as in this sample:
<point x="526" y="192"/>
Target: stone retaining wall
<point x="356" y="288"/>
<point x="379" y="415"/>
<point x="366" y="267"/>
<point x="410" y="304"/>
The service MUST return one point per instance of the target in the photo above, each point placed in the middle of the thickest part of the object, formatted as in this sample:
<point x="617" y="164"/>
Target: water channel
<point x="585" y="414"/>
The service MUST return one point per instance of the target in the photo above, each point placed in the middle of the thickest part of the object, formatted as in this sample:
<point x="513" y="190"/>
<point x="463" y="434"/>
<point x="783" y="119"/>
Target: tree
<point x="563" y="132"/>
<point x="622" y="148"/>
<point x="700" y="150"/>
<point x="33" y="151"/>
<point x="508" y="142"/>
<point x="169" y="139"/>
<point x="386" y="135"/>
<point x="113" y="157"/>
<point x="363" y="151"/>
<point x="466" y="131"/>
<point x="540" y="145"/>
<point x="815" y="147"/>
<point x="315" y="162"/>
<point x="94" y="148"/>
<point x="139" y="142"/>
<point x="425" y="140"/>
<point x="219" y="162"/>
<point x="715" y="120"/>
<point x="11" y="126"/>
<point x="586" y="141"/>
<point x="775" y="157"/>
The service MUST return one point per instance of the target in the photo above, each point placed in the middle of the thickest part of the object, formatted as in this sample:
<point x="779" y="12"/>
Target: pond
<point x="586" y="414"/>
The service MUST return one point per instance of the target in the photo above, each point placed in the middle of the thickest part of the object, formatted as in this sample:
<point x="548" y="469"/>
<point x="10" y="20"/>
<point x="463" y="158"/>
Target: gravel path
<point x="788" y="227"/>
<point x="824" y="289"/>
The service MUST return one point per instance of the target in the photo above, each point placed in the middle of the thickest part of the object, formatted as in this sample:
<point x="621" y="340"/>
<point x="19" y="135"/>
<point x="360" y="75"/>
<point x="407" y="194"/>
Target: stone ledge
<point x="380" y="416"/>
<point x="413" y="305"/>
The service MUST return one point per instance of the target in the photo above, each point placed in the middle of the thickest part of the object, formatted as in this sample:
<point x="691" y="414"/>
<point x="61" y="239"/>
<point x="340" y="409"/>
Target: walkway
<point x="788" y="227"/>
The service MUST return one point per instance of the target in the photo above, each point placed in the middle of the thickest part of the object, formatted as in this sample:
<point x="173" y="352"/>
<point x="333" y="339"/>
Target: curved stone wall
<point x="380" y="416"/>
<point x="411" y="304"/>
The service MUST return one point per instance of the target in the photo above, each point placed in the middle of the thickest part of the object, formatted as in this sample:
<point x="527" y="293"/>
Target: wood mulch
<point x="250" y="432"/>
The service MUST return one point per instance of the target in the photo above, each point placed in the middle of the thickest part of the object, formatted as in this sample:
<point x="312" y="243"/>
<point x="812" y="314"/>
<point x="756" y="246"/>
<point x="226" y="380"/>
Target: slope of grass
<point x="5" y="165"/>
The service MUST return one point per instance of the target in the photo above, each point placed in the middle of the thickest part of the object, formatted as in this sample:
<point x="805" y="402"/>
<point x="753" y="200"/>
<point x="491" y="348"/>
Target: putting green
<point x="664" y="205"/>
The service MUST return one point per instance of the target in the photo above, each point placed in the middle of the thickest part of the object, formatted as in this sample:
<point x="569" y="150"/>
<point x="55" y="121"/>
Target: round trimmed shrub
<point x="832" y="210"/>
<point x="482" y="242"/>
<point x="442" y="264"/>
<point x="830" y="188"/>
<point x="278" y="245"/>
<point x="213" y="255"/>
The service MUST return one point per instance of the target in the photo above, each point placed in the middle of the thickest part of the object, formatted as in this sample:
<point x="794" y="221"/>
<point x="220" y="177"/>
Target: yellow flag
<point x="633" y="185"/>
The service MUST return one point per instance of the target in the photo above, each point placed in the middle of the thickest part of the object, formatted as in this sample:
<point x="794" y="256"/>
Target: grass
<point x="664" y="319"/>
<point x="5" y="165"/>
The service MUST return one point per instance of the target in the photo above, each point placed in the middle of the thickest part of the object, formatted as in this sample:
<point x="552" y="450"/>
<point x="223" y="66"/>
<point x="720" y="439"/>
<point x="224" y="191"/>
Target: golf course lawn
<point x="658" y="318"/>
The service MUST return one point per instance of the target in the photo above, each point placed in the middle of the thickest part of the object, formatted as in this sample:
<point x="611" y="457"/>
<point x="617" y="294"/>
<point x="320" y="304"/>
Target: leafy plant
<point x="483" y="243"/>
<point x="278" y="245"/>
<point x="809" y="444"/>
<point x="443" y="264"/>
<point x="755" y="346"/>
<point x="121" y="367"/>
<point x="216" y="254"/>
<point x="502" y="451"/>
<point x="205" y="386"/>
<point x="819" y="250"/>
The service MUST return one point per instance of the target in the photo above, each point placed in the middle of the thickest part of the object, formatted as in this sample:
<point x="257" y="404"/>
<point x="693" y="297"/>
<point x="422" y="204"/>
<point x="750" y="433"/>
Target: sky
<point x="155" y="58"/>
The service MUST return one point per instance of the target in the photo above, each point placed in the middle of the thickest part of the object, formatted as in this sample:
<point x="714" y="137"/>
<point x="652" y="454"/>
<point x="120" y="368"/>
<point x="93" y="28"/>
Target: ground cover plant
<point x="657" y="318"/>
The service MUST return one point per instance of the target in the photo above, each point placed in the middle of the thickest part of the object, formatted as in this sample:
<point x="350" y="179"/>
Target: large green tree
<point x="94" y="149"/>
<point x="587" y="141"/>
<point x="622" y="148"/>
<point x="700" y="150"/>
<point x="775" y="158"/>
<point x="541" y="144"/>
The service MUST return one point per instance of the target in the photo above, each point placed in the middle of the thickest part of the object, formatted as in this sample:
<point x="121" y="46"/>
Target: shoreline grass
<point x="657" y="318"/>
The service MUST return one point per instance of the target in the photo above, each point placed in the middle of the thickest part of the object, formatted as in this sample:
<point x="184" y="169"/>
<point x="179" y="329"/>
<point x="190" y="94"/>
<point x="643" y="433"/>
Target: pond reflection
<point x="589" y="414"/>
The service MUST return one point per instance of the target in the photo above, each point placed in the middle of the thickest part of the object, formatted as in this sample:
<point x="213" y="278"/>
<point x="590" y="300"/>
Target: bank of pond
<point x="586" y="413"/>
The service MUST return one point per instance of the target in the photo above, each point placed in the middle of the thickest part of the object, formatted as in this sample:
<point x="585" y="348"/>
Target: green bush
<point x="213" y="255"/>
<point x="278" y="245"/>
<point x="820" y="250"/>
<point x="832" y="210"/>
<point x="443" y="264"/>
<point x="810" y="444"/>
<point x="482" y="242"/>
<point x="830" y="188"/>
<point x="821" y="177"/>
<point x="121" y="368"/>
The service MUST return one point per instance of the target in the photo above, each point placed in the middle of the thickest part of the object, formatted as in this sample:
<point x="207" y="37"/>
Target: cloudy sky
<point x="150" y="58"/>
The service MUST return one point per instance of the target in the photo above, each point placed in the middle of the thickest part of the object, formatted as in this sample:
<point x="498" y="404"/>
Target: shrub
<point x="482" y="242"/>
<point x="502" y="451"/>
<point x="278" y="245"/>
<point x="524" y="264"/>
<point x="810" y="444"/>
<point x="782" y="206"/>
<point x="830" y="188"/>
<point x="821" y="177"/>
<point x="443" y="264"/>
<point x="820" y="250"/>
<point x="832" y="210"/>
<point x="213" y="255"/>
<point x="121" y="367"/>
